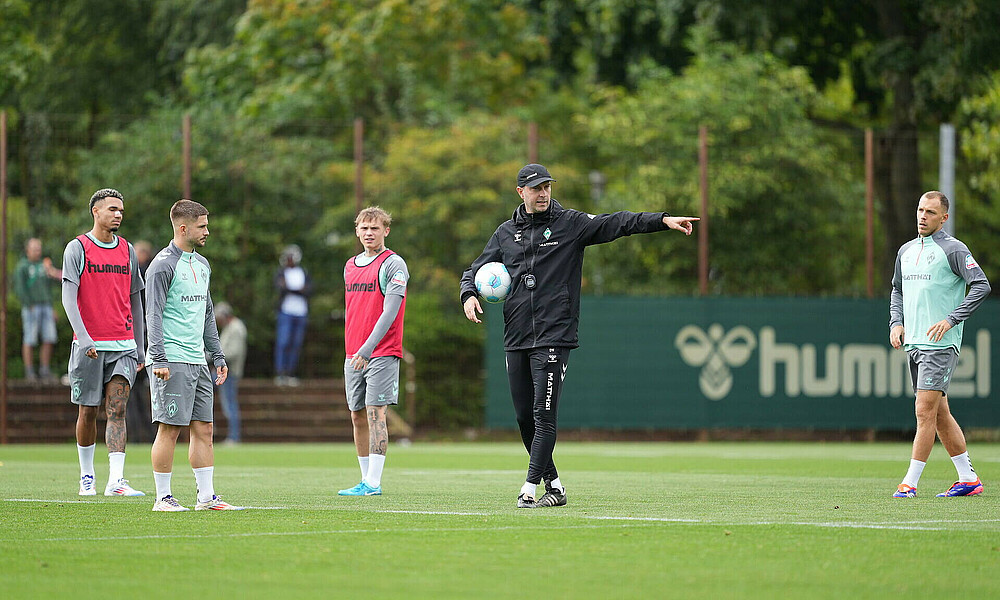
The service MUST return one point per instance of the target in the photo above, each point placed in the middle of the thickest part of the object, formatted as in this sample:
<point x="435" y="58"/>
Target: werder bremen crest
<point x="715" y="352"/>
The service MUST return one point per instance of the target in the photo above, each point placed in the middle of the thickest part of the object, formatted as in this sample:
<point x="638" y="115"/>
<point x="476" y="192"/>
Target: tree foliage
<point x="911" y="62"/>
<point x="978" y="211"/>
<point x="776" y="205"/>
<point x="422" y="61"/>
<point x="20" y="52"/>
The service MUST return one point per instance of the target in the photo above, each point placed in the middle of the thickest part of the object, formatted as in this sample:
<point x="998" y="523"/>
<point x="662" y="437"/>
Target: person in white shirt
<point x="294" y="288"/>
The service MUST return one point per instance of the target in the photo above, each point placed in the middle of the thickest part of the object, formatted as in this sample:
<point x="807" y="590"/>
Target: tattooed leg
<point x="378" y="431"/>
<point x="116" y="395"/>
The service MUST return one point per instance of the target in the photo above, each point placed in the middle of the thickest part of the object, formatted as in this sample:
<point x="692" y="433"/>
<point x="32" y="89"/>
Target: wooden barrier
<point x="316" y="411"/>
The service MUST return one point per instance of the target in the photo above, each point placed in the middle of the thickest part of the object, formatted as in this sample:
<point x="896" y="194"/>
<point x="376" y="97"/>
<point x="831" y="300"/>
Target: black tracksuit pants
<point x="536" y="378"/>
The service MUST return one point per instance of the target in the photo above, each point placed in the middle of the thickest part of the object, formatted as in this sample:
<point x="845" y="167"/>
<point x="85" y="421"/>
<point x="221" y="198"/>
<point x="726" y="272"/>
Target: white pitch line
<point x="50" y="501"/>
<point x="650" y="519"/>
<point x="904" y="525"/>
<point x="100" y="502"/>
<point x="438" y="512"/>
<point x="847" y="525"/>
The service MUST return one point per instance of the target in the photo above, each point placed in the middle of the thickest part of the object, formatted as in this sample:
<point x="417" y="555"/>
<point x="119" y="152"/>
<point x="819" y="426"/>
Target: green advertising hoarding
<point x="659" y="363"/>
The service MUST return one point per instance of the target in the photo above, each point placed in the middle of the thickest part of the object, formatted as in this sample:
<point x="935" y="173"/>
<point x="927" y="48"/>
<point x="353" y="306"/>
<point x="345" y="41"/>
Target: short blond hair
<point x="373" y="213"/>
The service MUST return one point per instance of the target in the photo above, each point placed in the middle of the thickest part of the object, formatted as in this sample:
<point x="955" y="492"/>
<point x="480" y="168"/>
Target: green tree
<point x="775" y="209"/>
<point x="978" y="210"/>
<point x="421" y="62"/>
<point x="85" y="68"/>
<point x="596" y="41"/>
<point x="20" y="52"/>
<point x="910" y="61"/>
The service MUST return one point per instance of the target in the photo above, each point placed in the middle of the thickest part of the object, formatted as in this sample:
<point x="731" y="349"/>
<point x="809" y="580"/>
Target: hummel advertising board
<point x="658" y="363"/>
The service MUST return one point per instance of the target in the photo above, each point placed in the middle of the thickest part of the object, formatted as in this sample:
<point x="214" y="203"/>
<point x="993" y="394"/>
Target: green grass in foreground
<point x="665" y="520"/>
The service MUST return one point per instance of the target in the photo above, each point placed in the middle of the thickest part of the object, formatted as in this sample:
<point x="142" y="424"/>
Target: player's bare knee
<point x="168" y="433"/>
<point x="88" y="414"/>
<point x="203" y="431"/>
<point x="926" y="413"/>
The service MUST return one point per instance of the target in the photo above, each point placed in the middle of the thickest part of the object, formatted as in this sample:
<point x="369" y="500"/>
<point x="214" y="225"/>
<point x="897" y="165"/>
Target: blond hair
<point x="374" y="213"/>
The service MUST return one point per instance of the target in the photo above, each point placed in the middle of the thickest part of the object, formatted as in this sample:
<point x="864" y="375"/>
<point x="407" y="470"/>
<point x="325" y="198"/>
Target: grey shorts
<point x="375" y="385"/>
<point x="88" y="376"/>
<point x="932" y="369"/>
<point x="189" y="395"/>
<point x="38" y="320"/>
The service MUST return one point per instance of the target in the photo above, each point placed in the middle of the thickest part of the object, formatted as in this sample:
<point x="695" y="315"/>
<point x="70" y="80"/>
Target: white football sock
<point x="203" y="479"/>
<point x="528" y="489"/>
<point x="376" y="462"/>
<point x="363" y="461"/>
<point x="555" y="483"/>
<point x="86" y="459"/>
<point x="116" y="460"/>
<point x="964" y="465"/>
<point x="162" y="484"/>
<point x="914" y="472"/>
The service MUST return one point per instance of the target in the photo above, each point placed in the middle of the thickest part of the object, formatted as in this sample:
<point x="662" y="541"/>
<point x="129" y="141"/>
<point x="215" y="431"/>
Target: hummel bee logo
<point x="715" y="351"/>
<point x="517" y="237"/>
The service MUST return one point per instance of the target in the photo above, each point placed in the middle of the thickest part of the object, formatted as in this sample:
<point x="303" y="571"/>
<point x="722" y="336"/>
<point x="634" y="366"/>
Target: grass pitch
<point x="664" y="520"/>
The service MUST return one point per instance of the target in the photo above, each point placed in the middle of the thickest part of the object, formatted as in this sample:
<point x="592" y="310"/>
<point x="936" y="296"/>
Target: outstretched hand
<point x="685" y="224"/>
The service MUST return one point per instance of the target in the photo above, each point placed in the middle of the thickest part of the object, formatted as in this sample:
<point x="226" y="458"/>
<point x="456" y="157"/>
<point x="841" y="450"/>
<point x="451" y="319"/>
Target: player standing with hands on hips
<point x="927" y="308"/>
<point x="102" y="295"/>
<point x="542" y="247"/>
<point x="181" y="324"/>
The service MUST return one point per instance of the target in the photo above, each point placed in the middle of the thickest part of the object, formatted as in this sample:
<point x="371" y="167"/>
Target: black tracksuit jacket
<point x="550" y="246"/>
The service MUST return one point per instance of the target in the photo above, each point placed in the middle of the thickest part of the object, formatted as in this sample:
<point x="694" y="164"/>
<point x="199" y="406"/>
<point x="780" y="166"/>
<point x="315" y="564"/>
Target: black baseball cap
<point x="533" y="175"/>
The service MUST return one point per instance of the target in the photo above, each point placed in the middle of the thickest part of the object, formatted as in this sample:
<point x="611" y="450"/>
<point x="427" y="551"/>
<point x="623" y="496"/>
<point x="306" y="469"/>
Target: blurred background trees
<point x="95" y="92"/>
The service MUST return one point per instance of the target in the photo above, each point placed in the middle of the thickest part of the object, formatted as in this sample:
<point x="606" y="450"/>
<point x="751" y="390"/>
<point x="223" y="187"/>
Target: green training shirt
<point x="928" y="285"/>
<point x="180" y="319"/>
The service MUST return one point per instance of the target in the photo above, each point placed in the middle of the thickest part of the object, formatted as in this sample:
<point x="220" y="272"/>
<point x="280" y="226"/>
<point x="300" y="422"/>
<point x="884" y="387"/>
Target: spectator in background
<point x="33" y="288"/>
<point x="138" y="418"/>
<point x="233" y="336"/>
<point x="294" y="288"/>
